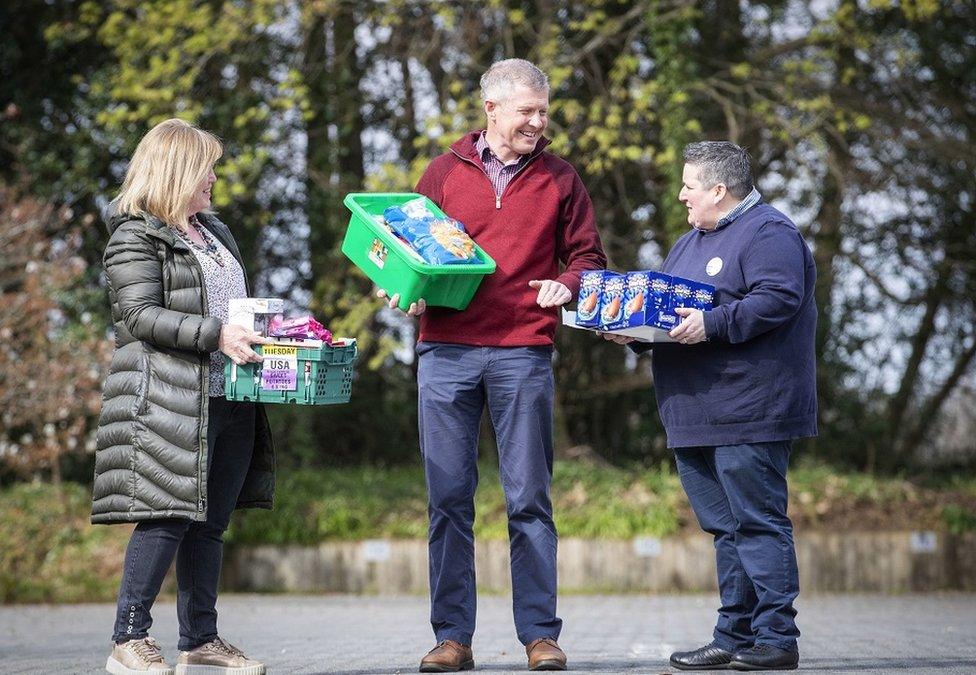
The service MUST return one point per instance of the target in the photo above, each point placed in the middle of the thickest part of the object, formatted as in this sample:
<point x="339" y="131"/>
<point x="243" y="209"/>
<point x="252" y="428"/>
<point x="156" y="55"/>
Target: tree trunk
<point x="898" y="405"/>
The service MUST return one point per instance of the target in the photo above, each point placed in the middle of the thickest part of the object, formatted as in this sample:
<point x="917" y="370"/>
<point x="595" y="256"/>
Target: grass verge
<point x="51" y="553"/>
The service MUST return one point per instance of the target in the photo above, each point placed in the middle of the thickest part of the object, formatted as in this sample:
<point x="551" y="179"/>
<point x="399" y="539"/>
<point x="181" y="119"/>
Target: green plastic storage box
<point x="323" y="376"/>
<point x="371" y="246"/>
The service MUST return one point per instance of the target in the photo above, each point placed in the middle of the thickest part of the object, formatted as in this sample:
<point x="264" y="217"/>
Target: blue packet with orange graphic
<point x="612" y="300"/>
<point x="439" y="241"/>
<point x="648" y="295"/>
<point x="588" y="305"/>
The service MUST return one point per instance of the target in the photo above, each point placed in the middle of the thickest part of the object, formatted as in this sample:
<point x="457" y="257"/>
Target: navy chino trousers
<point x="739" y="495"/>
<point x="455" y="382"/>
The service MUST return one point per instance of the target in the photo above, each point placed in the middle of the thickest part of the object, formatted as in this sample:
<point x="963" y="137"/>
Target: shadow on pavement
<point x="602" y="666"/>
<point x="650" y="667"/>
<point x="885" y="665"/>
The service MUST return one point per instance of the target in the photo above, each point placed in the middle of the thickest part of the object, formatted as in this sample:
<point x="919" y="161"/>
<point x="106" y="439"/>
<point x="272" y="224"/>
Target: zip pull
<point x="498" y="201"/>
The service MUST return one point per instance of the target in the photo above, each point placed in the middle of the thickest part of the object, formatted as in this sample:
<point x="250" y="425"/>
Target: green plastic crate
<point x="377" y="252"/>
<point x="324" y="377"/>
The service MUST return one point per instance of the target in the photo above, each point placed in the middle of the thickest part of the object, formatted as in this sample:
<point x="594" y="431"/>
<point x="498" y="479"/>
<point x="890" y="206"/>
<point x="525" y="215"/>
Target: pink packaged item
<point x="299" y="327"/>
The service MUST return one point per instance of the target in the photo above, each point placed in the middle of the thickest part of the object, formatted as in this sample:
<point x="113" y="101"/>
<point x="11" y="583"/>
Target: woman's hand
<point x="691" y="330"/>
<point x="236" y="341"/>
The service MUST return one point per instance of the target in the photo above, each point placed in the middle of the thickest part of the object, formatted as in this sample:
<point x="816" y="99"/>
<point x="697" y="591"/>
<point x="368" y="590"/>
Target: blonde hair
<point x="168" y="164"/>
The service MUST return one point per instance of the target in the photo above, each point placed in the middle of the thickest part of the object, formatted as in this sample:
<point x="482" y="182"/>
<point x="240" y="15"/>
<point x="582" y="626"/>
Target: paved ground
<point x="603" y="634"/>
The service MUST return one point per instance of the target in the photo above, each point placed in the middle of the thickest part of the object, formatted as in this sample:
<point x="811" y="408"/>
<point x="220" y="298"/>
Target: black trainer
<point x="764" y="657"/>
<point x="708" y="657"/>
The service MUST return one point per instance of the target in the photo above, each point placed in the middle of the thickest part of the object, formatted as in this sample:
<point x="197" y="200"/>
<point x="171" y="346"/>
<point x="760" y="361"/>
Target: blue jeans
<point x="739" y="495"/>
<point x="196" y="545"/>
<point x="455" y="382"/>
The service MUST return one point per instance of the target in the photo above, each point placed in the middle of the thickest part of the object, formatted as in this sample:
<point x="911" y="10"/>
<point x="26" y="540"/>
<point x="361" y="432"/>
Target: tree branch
<point x="932" y="406"/>
<point x="926" y="328"/>
<point x="911" y="301"/>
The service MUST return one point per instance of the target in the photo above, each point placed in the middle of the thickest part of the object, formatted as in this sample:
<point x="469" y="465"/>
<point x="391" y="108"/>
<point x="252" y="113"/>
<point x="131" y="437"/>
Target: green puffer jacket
<point x="151" y="457"/>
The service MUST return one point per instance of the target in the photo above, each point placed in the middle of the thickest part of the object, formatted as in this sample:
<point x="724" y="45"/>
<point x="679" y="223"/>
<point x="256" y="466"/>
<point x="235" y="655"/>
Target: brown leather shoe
<point x="447" y="657"/>
<point x="545" y="654"/>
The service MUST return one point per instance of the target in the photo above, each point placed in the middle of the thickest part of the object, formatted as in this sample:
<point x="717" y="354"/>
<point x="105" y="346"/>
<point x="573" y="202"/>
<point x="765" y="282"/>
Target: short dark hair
<point x="721" y="162"/>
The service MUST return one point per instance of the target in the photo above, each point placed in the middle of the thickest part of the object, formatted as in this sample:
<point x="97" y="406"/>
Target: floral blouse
<point x="223" y="278"/>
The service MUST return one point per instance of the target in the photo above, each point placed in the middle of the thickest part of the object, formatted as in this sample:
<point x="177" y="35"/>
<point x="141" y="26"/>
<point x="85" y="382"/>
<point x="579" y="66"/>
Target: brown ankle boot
<point x="545" y="654"/>
<point x="447" y="657"/>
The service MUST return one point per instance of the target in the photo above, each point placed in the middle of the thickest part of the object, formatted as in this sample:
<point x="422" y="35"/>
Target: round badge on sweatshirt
<point x="714" y="266"/>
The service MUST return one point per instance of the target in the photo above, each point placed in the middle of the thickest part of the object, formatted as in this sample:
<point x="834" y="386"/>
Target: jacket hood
<point x="113" y="219"/>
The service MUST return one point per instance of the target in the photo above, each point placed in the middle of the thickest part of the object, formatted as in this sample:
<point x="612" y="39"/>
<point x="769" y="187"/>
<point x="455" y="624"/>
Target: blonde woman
<point x="173" y="455"/>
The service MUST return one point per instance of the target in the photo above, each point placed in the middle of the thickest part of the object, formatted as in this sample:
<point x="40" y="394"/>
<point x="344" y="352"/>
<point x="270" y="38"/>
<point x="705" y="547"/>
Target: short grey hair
<point x="721" y="162"/>
<point x="501" y="80"/>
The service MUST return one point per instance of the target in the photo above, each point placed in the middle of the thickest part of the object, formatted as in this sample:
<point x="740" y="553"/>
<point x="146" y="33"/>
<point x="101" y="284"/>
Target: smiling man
<point x="733" y="393"/>
<point x="529" y="210"/>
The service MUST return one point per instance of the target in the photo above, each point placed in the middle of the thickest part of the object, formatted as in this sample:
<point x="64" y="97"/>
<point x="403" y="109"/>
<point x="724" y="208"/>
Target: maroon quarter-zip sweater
<point x="543" y="218"/>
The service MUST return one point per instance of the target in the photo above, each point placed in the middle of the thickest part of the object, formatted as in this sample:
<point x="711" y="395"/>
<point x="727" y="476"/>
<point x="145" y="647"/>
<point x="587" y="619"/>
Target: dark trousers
<point x="196" y="545"/>
<point x="454" y="383"/>
<point x="738" y="493"/>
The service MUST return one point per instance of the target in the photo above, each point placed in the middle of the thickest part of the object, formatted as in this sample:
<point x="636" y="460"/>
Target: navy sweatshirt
<point x="754" y="380"/>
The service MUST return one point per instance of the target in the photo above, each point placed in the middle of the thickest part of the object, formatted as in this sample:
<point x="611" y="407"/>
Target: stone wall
<point x="886" y="562"/>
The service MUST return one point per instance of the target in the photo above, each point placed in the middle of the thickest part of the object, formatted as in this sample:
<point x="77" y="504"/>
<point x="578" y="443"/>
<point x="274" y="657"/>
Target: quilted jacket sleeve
<point x="135" y="274"/>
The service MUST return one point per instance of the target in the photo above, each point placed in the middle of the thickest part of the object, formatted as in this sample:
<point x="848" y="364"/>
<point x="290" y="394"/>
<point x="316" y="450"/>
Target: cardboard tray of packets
<point x="305" y="365"/>
<point x="637" y="304"/>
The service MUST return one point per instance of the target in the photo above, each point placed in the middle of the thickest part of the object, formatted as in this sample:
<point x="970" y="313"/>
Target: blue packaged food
<point x="439" y="241"/>
<point x="702" y="295"/>
<point x="649" y="294"/>
<point x="588" y="304"/>
<point x="661" y="285"/>
<point x="688" y="293"/>
<point x="635" y="297"/>
<point x="612" y="300"/>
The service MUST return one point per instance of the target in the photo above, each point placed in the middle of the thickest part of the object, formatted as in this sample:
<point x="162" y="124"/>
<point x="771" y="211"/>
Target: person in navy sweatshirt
<point x="733" y="392"/>
<point x="529" y="210"/>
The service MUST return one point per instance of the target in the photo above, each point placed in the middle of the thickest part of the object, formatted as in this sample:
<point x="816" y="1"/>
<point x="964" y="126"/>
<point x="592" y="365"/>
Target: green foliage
<point x="958" y="519"/>
<point x="50" y="553"/>
<point x="597" y="502"/>
<point x="671" y="44"/>
<point x="346" y="504"/>
<point x="366" y="502"/>
<point x="860" y="125"/>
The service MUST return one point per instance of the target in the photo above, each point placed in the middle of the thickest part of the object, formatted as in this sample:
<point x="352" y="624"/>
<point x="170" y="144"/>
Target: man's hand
<point x="619" y="339"/>
<point x="551" y="293"/>
<point x="692" y="327"/>
<point x="415" y="309"/>
<point x="235" y="341"/>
